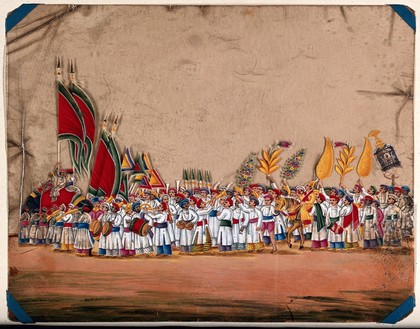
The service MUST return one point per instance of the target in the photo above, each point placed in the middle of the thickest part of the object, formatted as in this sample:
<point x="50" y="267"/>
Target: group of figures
<point x="249" y="219"/>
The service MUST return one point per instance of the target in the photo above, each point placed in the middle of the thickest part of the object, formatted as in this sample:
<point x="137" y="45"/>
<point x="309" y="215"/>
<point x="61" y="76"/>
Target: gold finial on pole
<point x="379" y="142"/>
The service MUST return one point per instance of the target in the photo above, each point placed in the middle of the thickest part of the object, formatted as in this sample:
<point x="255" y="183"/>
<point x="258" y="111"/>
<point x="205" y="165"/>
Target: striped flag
<point x="142" y="181"/>
<point x="88" y="113"/>
<point x="128" y="163"/>
<point x="155" y="180"/>
<point x="124" y="189"/>
<point x="106" y="174"/>
<point x="71" y="125"/>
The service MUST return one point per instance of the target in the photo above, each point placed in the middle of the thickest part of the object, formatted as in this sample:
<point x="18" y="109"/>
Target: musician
<point x="204" y="195"/>
<point x="172" y="193"/>
<point x="34" y="226"/>
<point x="334" y="224"/>
<point x="128" y="248"/>
<point x="96" y="212"/>
<point x="188" y="217"/>
<point x="193" y="203"/>
<point x="103" y="218"/>
<point x="224" y="236"/>
<point x="113" y="240"/>
<point x="41" y="232"/>
<point x="319" y="230"/>
<point x="75" y="222"/>
<point x="150" y="199"/>
<point x="160" y="220"/>
<point x="142" y="244"/>
<point x="51" y="221"/>
<point x="213" y="221"/>
<point x="58" y="227"/>
<point x="83" y="242"/>
<point x="247" y="194"/>
<point x="392" y="223"/>
<point x="268" y="223"/>
<point x="24" y="224"/>
<point x="175" y="210"/>
<point x="239" y="237"/>
<point x="202" y="237"/>
<point x="369" y="221"/>
<point x="252" y="224"/>
<point x="260" y="190"/>
<point x="67" y="236"/>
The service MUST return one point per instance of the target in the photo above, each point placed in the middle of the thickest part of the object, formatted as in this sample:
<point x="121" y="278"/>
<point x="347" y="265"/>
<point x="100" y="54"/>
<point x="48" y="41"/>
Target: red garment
<point x="353" y="217"/>
<point x="380" y="216"/>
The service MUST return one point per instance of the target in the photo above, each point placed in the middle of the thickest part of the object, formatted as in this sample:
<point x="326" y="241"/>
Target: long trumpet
<point x="221" y="195"/>
<point x="148" y="207"/>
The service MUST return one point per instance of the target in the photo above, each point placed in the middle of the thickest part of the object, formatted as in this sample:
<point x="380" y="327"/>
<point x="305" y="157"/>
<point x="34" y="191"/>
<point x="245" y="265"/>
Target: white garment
<point x="113" y="240"/>
<point x="321" y="234"/>
<point x="186" y="236"/>
<point x="333" y="212"/>
<point x="127" y="237"/>
<point x="162" y="235"/>
<point x="254" y="216"/>
<point x="200" y="231"/>
<point x="224" y="236"/>
<point x="369" y="224"/>
<point x="83" y="239"/>
<point x="67" y="236"/>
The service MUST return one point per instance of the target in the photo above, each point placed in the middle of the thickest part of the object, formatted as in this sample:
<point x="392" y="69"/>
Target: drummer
<point x="163" y="236"/>
<point x="103" y="218"/>
<point x="189" y="217"/>
<point x="142" y="244"/>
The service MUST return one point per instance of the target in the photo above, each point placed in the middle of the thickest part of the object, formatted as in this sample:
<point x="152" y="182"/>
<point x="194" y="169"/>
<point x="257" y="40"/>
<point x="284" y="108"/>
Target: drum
<point x="96" y="228"/>
<point x="140" y="226"/>
<point x="106" y="229"/>
<point x="181" y="224"/>
<point x="189" y="226"/>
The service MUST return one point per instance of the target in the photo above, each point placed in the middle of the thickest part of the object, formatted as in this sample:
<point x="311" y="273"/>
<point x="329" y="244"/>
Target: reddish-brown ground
<point x="291" y="285"/>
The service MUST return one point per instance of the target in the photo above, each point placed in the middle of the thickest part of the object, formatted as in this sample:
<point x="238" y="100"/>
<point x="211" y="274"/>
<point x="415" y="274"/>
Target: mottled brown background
<point x="202" y="87"/>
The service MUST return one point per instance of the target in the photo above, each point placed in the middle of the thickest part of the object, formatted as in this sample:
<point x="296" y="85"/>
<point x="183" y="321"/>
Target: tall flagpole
<point x="73" y="80"/>
<point x="58" y="77"/>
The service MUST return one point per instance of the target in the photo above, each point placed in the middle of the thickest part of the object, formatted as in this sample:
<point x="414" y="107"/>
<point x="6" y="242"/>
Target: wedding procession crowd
<point x="196" y="221"/>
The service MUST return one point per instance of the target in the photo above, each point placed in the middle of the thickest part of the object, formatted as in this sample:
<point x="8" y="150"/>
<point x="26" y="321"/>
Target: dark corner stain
<point x="13" y="271"/>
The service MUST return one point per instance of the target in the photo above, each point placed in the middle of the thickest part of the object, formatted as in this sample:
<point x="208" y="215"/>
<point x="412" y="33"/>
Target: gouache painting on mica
<point x="210" y="164"/>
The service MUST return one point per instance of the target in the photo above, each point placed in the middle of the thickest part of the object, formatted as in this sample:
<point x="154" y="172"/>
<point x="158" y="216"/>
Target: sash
<point x="83" y="225"/>
<point x="268" y="217"/>
<point x="213" y="213"/>
<point x="333" y="220"/>
<point x="320" y="219"/>
<point x="224" y="222"/>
